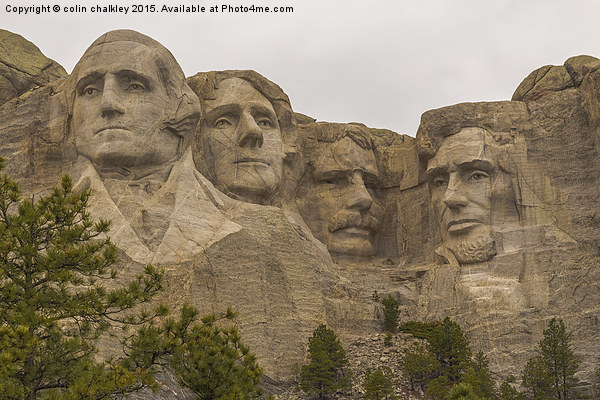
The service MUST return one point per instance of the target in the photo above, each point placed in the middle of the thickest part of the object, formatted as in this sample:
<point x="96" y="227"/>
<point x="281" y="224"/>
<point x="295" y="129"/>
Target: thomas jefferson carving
<point x="241" y="136"/>
<point x="339" y="199"/>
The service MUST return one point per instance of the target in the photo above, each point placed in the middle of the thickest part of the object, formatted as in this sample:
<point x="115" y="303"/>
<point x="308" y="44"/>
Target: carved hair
<point x="332" y="132"/>
<point x="507" y="123"/>
<point x="183" y="111"/>
<point x="502" y="120"/>
<point x="205" y="85"/>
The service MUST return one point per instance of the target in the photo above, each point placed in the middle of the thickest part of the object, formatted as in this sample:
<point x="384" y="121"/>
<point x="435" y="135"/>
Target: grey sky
<point x="379" y="62"/>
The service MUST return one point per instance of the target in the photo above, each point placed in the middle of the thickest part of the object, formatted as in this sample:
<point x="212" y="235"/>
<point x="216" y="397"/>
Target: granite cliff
<point x="490" y="215"/>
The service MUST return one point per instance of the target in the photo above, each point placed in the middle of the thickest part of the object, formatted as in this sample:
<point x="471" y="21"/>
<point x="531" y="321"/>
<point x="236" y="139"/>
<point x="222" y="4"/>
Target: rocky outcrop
<point x="23" y="66"/>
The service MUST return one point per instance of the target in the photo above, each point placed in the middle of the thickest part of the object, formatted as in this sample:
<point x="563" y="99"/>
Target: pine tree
<point x="420" y="367"/>
<point x="379" y="384"/>
<point x="451" y="348"/>
<point x="537" y="382"/>
<point x="462" y="391"/>
<point x="596" y="381"/>
<point x="54" y="262"/>
<point x="479" y="378"/>
<point x="326" y="373"/>
<point x="507" y="392"/>
<point x="438" y="389"/>
<point x="207" y="357"/>
<point x="560" y="360"/>
<point x="391" y="312"/>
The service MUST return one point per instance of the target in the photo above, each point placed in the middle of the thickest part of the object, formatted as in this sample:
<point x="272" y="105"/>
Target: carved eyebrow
<point x="436" y="171"/>
<point x="368" y="177"/>
<point x="259" y="108"/>
<point x="89" y="78"/>
<point x="222" y="110"/>
<point x="130" y="74"/>
<point x="332" y="173"/>
<point x="483" y="165"/>
<point x="94" y="76"/>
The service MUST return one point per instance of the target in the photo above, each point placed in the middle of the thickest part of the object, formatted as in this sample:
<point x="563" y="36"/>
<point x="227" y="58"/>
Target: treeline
<point x="442" y="366"/>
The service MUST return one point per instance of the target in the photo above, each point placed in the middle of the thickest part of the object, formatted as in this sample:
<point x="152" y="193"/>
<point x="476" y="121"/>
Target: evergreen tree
<point x="507" y="392"/>
<point x="420" y="367"/>
<point x="560" y="361"/>
<point x="537" y="382"/>
<point x="207" y="357"/>
<point x="326" y="373"/>
<point x="391" y="312"/>
<point x="379" y="384"/>
<point x="462" y="391"/>
<point x="54" y="261"/>
<point x="420" y="330"/>
<point x="437" y="389"/>
<point x="451" y="348"/>
<point x="596" y="381"/>
<point x="478" y="377"/>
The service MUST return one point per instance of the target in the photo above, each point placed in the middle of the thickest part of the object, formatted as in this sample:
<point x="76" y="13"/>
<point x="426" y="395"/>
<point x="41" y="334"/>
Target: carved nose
<point x="111" y="100"/>
<point x="250" y="134"/>
<point x="454" y="197"/>
<point x="359" y="197"/>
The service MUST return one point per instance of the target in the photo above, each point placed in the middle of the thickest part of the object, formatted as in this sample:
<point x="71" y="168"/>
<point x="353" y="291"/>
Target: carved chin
<point x="351" y="246"/>
<point x="249" y="184"/>
<point x="473" y="251"/>
<point x="255" y="191"/>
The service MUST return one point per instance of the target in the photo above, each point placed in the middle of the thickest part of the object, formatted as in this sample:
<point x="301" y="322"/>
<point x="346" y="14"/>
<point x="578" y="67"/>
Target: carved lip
<point x="462" y="224"/>
<point x="112" y="128"/>
<point x="356" y="231"/>
<point x="243" y="160"/>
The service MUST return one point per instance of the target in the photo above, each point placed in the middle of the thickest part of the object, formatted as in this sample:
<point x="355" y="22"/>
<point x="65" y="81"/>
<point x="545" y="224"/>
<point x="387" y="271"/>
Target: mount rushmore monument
<point x="490" y="215"/>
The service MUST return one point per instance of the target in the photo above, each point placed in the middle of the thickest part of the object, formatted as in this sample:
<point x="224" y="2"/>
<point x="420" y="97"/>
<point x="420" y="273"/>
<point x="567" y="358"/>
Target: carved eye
<point x="264" y="123"/>
<point x="439" y="182"/>
<point x="89" y="91"/>
<point x="337" y="181"/>
<point x="478" y="176"/>
<point x="136" y="86"/>
<point x="222" y="123"/>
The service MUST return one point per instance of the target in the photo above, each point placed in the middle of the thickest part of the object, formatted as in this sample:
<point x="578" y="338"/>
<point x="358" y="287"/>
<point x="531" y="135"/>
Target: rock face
<point x="490" y="215"/>
<point x="23" y="66"/>
<point x="505" y="298"/>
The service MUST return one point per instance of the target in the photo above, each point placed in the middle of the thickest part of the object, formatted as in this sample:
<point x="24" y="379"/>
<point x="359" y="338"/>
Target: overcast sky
<point x="382" y="63"/>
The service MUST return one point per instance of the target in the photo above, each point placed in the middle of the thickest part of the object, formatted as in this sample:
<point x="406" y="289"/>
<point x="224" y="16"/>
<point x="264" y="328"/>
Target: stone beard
<point x="473" y="251"/>
<point x="471" y="193"/>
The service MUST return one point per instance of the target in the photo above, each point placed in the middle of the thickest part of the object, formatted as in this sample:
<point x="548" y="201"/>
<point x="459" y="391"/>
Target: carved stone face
<point x="471" y="195"/>
<point x="119" y="108"/>
<point x="341" y="208"/>
<point x="242" y="141"/>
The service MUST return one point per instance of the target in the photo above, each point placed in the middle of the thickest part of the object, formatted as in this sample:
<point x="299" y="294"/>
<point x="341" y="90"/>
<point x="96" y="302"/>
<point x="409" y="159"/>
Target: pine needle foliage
<point x="55" y="263"/>
<point x="379" y="384"/>
<point x="207" y="356"/>
<point x="327" y="372"/>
